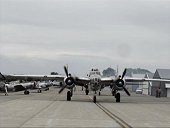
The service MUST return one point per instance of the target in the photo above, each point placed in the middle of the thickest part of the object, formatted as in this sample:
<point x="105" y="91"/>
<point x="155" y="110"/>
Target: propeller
<point x="68" y="80"/>
<point x="127" y="92"/>
<point x="66" y="70"/>
<point x="124" y="73"/>
<point x="120" y="82"/>
<point x="62" y="88"/>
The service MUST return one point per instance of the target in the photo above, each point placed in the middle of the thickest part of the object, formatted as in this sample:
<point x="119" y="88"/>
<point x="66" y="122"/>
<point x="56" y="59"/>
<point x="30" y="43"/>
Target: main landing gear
<point x="116" y="95"/>
<point x="69" y="95"/>
<point x="39" y="90"/>
<point x="87" y="91"/>
<point x="26" y="92"/>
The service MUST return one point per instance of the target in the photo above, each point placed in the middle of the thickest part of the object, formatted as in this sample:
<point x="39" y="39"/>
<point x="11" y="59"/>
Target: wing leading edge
<point x="145" y="79"/>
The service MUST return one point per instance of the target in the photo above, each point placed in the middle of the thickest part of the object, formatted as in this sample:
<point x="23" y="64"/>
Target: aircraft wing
<point x="107" y="80"/>
<point x="34" y="77"/>
<point x="145" y="79"/>
<point x="82" y="81"/>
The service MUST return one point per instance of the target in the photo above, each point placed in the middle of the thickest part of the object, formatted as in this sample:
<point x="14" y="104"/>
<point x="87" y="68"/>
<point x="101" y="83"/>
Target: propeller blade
<point x="127" y="92"/>
<point x="2" y="76"/>
<point x="124" y="73"/>
<point x="66" y="70"/>
<point x="61" y="90"/>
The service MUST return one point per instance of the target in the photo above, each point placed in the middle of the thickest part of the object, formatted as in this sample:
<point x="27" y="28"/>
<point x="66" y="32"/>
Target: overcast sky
<point x="40" y="36"/>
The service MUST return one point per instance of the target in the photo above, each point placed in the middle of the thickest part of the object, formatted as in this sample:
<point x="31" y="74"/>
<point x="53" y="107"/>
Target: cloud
<point x="87" y="32"/>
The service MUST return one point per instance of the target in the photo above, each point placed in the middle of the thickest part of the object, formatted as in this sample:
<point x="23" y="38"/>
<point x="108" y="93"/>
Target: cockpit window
<point x="93" y="73"/>
<point x="98" y="73"/>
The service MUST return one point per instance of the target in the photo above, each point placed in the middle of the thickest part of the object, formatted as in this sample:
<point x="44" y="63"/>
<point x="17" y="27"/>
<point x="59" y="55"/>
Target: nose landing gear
<point x="94" y="99"/>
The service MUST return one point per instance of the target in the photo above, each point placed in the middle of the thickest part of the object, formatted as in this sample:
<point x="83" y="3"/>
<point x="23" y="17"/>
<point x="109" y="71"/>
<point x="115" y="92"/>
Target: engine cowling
<point x="120" y="83"/>
<point x="69" y="81"/>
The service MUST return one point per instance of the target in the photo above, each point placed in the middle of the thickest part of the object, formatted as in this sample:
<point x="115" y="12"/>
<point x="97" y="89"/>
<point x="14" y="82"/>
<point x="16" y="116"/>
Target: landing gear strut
<point x="117" y="97"/>
<point x="114" y="93"/>
<point x="87" y="91"/>
<point x="39" y="90"/>
<point x="69" y="96"/>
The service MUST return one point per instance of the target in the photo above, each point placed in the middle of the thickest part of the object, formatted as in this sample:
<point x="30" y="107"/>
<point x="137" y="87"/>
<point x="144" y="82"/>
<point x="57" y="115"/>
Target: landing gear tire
<point x="68" y="96"/>
<point x="14" y="90"/>
<point x="87" y="92"/>
<point x="94" y="99"/>
<point x="39" y="91"/>
<point x="99" y="93"/>
<point x="26" y="92"/>
<point x="118" y="97"/>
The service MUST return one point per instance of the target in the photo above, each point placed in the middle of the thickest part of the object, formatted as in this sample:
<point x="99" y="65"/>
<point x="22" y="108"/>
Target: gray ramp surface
<point x="50" y="109"/>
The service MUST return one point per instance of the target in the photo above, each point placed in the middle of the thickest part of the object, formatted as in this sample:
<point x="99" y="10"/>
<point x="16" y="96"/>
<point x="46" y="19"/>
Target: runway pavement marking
<point x="118" y="120"/>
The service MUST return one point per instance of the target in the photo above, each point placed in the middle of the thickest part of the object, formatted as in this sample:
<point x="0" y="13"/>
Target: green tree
<point x="54" y="73"/>
<point x="109" y="72"/>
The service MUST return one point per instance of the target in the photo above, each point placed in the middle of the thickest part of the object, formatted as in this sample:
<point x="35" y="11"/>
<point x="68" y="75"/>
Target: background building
<point x="147" y="85"/>
<point x="165" y="87"/>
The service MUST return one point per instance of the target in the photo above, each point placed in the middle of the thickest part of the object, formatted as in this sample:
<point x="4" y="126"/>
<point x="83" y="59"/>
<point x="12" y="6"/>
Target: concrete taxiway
<point x="50" y="109"/>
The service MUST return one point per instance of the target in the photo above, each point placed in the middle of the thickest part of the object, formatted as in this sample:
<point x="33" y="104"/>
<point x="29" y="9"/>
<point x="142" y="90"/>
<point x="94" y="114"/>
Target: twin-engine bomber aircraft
<point x="93" y="82"/>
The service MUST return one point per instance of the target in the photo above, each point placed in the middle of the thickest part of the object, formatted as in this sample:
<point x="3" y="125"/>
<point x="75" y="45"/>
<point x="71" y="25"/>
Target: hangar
<point x="165" y="87"/>
<point x="147" y="85"/>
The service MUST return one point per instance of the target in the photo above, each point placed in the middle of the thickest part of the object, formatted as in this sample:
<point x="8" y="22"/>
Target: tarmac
<point x="50" y="109"/>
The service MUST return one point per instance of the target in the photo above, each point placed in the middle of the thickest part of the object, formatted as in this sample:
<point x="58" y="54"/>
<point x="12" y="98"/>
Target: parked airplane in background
<point x="57" y="83"/>
<point x="20" y="86"/>
<point x="16" y="87"/>
<point x="43" y="85"/>
<point x="93" y="82"/>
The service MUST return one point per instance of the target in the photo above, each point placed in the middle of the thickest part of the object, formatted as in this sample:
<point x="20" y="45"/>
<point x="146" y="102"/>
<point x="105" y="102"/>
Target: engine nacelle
<point x="120" y="83"/>
<point x="69" y="81"/>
